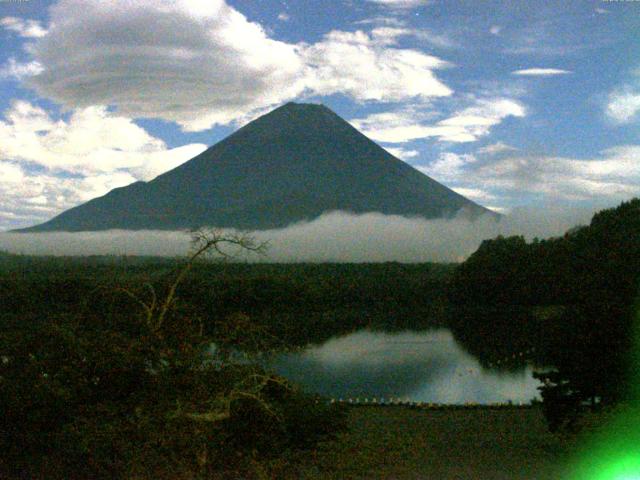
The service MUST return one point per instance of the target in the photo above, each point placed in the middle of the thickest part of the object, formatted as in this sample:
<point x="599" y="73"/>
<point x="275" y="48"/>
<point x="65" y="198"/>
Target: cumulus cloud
<point x="333" y="237"/>
<point x="28" y="198"/>
<point x="401" y="153"/>
<point x="24" y="27"/>
<point x="540" y="72"/>
<point x="466" y="125"/>
<point x="91" y="141"/>
<point x="476" y="121"/>
<point x="614" y="174"/>
<point x="204" y="63"/>
<point x="50" y="165"/>
<point x="19" y="70"/>
<point x="363" y="66"/>
<point x="623" y="105"/>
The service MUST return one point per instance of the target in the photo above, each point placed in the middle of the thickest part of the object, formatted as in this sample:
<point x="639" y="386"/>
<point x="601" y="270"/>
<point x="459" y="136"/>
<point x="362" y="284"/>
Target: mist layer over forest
<point x="333" y="237"/>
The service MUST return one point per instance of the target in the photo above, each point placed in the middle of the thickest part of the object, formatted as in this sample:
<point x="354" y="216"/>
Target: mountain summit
<point x="292" y="164"/>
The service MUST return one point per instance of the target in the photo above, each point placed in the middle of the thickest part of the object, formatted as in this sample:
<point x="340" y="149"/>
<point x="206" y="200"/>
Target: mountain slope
<point x="292" y="164"/>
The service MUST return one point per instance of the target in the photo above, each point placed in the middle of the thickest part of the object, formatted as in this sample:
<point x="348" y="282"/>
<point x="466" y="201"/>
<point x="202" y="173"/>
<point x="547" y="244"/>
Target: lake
<point x="424" y="366"/>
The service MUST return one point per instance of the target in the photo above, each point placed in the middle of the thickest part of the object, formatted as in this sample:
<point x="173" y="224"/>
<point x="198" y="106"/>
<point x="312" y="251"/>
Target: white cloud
<point x="382" y="20"/>
<point x="540" y="72"/>
<point x="390" y="34"/>
<point x="48" y="166"/>
<point x="204" y="63"/>
<point x="466" y="125"/>
<point x="365" y="68"/>
<point x="11" y="173"/>
<point x="615" y="174"/>
<point x="448" y="166"/>
<point x="334" y="236"/>
<point x="284" y="17"/>
<point x="27" y="198"/>
<point x="401" y="4"/>
<point x="501" y="210"/>
<point x="496" y="148"/>
<point x="476" y="121"/>
<point x="92" y="141"/>
<point x="402" y="153"/>
<point x="17" y="70"/>
<point x="623" y="105"/>
<point x="393" y="127"/>
<point x="23" y="27"/>
<point x="476" y="194"/>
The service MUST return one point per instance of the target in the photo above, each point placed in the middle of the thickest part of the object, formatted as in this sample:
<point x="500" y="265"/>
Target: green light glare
<point x="624" y="469"/>
<point x="614" y="452"/>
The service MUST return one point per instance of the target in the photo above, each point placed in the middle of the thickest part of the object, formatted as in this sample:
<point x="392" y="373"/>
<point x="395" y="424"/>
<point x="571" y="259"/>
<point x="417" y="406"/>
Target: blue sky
<point x="521" y="103"/>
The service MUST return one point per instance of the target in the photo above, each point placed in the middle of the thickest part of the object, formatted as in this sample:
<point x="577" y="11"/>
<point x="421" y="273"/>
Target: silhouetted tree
<point x="593" y="272"/>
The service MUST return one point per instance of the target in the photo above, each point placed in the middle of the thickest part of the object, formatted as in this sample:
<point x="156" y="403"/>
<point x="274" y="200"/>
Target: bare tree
<point x="205" y="242"/>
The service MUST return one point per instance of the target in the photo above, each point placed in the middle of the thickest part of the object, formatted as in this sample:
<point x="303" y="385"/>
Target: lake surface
<point x="418" y="366"/>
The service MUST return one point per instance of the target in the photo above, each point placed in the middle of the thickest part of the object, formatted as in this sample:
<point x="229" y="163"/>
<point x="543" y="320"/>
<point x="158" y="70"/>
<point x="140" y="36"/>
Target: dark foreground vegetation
<point x="109" y="381"/>
<point x="106" y="369"/>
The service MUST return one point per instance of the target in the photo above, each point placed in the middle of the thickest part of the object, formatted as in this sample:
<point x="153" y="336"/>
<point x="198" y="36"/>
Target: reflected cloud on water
<point x="420" y="366"/>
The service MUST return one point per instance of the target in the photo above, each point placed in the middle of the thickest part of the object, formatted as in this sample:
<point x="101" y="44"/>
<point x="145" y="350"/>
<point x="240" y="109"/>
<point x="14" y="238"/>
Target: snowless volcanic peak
<point x="292" y="164"/>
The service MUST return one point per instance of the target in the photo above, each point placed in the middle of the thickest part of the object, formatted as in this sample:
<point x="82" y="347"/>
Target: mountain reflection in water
<point x="420" y="366"/>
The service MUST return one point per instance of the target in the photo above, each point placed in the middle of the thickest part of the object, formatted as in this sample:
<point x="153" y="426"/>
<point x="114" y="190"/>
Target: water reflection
<point x="421" y="366"/>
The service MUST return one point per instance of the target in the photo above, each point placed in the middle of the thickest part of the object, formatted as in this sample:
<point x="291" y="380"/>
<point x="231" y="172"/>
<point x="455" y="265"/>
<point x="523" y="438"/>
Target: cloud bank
<point x="48" y="165"/>
<point x="498" y="171"/>
<point x="333" y="237"/>
<point x="204" y="63"/>
<point x="613" y="174"/>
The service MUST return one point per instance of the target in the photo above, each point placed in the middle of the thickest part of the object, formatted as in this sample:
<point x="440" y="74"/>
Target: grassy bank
<point x="403" y="443"/>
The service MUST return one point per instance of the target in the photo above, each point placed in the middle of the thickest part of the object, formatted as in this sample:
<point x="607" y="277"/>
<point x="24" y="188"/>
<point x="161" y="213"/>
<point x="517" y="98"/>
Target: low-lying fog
<point x="333" y="237"/>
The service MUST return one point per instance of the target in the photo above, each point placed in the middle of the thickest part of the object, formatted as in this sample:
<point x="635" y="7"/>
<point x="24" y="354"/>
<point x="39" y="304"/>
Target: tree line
<point x="573" y="298"/>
